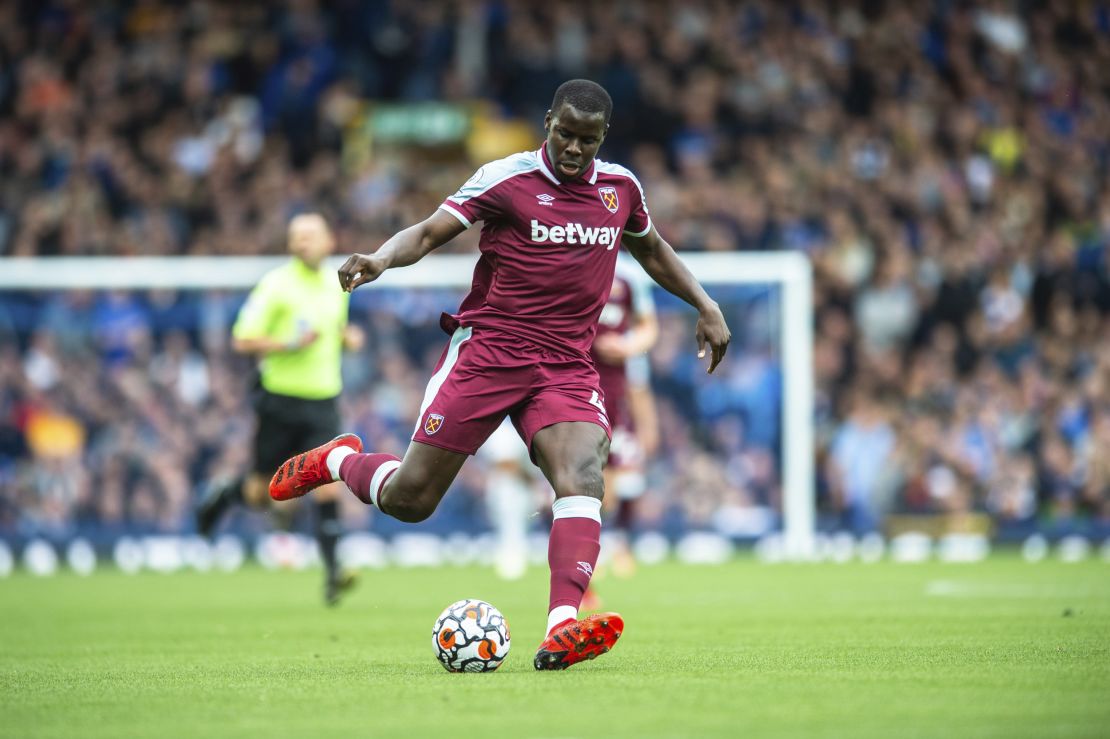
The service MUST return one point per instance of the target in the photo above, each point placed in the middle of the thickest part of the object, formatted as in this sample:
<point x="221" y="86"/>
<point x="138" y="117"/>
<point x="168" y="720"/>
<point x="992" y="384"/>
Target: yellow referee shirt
<point x="287" y="303"/>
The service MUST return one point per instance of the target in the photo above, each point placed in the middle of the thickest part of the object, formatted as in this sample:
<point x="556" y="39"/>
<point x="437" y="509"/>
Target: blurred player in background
<point x="510" y="499"/>
<point x="295" y="323"/>
<point x="626" y="332"/>
<point x="552" y="222"/>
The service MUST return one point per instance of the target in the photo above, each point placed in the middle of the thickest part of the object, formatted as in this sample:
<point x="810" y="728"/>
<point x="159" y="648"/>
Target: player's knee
<point x="583" y="478"/>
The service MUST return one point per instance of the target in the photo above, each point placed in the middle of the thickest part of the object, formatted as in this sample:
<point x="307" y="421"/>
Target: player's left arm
<point x="659" y="260"/>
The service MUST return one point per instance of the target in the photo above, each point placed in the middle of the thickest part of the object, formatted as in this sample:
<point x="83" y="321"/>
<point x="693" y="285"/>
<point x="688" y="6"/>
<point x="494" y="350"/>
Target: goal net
<point x="128" y="364"/>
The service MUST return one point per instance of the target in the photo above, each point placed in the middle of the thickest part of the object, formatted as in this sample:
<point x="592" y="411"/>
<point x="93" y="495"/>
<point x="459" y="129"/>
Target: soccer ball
<point x="470" y="636"/>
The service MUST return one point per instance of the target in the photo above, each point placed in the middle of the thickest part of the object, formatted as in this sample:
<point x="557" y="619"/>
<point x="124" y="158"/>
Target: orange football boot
<point x="308" y="471"/>
<point x="573" y="641"/>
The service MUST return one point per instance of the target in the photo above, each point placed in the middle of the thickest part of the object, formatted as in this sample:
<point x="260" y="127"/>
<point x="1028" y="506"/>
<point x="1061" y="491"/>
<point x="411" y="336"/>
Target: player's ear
<point x="547" y="122"/>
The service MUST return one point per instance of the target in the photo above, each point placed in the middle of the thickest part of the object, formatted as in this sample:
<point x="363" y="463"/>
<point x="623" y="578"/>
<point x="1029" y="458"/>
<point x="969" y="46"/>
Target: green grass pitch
<point x="998" y="649"/>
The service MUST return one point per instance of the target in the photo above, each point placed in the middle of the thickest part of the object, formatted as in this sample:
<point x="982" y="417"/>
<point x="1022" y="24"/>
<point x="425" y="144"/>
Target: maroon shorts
<point x="484" y="375"/>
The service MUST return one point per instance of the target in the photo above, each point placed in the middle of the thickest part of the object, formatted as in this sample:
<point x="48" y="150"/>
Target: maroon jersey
<point x="548" y="248"/>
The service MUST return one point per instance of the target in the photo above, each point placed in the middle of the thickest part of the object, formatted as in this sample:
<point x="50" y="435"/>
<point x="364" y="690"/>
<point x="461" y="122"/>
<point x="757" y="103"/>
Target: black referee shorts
<point x="288" y="426"/>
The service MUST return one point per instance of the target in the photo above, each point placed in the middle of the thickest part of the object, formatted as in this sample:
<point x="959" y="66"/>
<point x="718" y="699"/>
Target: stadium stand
<point x="944" y="164"/>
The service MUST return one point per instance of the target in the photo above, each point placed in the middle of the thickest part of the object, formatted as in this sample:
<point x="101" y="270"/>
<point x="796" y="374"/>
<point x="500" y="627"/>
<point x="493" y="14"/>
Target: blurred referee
<point x="295" y="322"/>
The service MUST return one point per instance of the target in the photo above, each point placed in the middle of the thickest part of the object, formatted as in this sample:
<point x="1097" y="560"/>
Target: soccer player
<point x="295" y="322"/>
<point x="553" y="220"/>
<point x="626" y="331"/>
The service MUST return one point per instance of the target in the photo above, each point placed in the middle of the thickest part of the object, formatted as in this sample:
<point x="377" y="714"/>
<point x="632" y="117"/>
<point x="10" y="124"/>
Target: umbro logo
<point x="586" y="569"/>
<point x="544" y="199"/>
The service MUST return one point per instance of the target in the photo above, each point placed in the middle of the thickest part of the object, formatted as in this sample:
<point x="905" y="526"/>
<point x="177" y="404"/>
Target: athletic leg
<point x="217" y="500"/>
<point x="508" y="499"/>
<point x="624" y="481"/>
<point x="408" y="489"/>
<point x="480" y="377"/>
<point x="329" y="528"/>
<point x="626" y="486"/>
<point x="313" y="423"/>
<point x="276" y="436"/>
<point x="572" y="456"/>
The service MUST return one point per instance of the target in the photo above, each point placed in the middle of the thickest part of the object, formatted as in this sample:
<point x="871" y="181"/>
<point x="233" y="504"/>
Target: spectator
<point x="944" y="166"/>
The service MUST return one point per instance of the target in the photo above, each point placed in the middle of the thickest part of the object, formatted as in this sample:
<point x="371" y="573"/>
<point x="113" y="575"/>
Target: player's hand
<point x="713" y="330"/>
<point x="358" y="270"/>
<point x="611" y="348"/>
<point x="303" y="340"/>
<point x="353" y="338"/>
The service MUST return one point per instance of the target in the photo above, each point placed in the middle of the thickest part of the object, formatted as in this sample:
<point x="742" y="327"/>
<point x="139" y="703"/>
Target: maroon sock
<point x="365" y="474"/>
<point x="572" y="553"/>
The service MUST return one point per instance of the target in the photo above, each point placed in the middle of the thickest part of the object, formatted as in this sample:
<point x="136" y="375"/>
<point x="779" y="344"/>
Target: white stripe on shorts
<point x="461" y="334"/>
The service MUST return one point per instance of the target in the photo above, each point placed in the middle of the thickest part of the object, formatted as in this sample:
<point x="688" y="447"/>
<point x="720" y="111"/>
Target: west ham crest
<point x="433" y="423"/>
<point x="609" y="198"/>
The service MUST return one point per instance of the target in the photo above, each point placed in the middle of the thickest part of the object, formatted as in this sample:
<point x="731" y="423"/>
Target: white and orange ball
<point x="471" y="636"/>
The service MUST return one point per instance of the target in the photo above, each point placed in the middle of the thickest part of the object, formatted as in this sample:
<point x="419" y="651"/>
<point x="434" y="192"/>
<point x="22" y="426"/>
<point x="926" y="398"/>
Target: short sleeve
<point x="258" y="313"/>
<point x="479" y="199"/>
<point x="639" y="220"/>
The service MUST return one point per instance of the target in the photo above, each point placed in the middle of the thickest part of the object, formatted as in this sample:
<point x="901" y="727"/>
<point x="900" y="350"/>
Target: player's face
<point x="573" y="138"/>
<point x="310" y="239"/>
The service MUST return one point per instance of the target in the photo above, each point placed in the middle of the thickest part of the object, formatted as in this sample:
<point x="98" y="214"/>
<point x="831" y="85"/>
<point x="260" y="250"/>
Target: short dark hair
<point x="584" y="95"/>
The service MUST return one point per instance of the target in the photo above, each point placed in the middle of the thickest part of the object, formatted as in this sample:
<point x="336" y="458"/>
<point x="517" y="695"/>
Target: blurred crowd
<point x="944" y="164"/>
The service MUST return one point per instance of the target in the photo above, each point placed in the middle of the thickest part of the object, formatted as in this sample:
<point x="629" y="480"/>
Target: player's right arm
<point x="404" y="248"/>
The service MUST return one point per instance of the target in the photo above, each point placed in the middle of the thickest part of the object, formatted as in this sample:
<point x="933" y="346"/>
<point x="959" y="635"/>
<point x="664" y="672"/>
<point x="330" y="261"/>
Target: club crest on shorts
<point x="609" y="198"/>
<point x="433" y="423"/>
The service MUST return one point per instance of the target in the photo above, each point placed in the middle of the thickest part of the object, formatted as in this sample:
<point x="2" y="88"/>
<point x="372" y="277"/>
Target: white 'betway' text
<point x="574" y="233"/>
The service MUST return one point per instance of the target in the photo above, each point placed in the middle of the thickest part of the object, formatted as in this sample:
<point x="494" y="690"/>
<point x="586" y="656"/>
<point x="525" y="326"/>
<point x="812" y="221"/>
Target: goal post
<point x="791" y="271"/>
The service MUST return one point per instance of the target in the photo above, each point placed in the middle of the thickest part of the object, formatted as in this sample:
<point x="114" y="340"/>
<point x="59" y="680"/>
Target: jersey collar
<point x="545" y="167"/>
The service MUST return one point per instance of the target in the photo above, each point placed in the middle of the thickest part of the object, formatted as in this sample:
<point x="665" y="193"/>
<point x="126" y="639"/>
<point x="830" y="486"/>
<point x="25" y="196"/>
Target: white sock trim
<point x="560" y="614"/>
<point x="576" y="506"/>
<point x="378" y="479"/>
<point x="335" y="458"/>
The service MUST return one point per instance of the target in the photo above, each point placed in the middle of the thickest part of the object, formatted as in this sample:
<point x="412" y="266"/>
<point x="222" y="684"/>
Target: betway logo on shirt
<point x="576" y="233"/>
